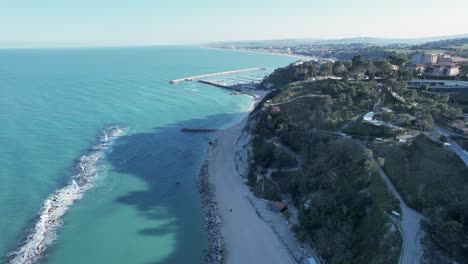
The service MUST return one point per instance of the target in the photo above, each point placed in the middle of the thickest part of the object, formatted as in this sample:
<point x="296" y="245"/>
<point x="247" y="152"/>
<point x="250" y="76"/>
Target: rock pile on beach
<point x="212" y="220"/>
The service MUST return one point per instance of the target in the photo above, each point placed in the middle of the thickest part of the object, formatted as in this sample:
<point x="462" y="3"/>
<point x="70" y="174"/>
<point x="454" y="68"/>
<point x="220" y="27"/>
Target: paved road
<point x="410" y="223"/>
<point x="460" y="152"/>
<point x="463" y="154"/>
<point x="411" y="219"/>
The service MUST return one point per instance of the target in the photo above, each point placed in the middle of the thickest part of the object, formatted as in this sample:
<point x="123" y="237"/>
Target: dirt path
<point x="298" y="158"/>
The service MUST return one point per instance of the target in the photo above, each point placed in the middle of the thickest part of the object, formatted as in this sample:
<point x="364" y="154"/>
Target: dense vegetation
<point x="286" y="75"/>
<point x="341" y="200"/>
<point x="356" y="68"/>
<point x="340" y="101"/>
<point x="434" y="181"/>
<point x="427" y="107"/>
<point x="339" y="213"/>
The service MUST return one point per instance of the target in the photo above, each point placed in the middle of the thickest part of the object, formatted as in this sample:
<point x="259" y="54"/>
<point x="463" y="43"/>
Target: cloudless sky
<point x="44" y="23"/>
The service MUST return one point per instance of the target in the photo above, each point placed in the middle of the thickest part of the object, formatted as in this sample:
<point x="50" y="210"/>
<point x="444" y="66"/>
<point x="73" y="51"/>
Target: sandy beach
<point x="240" y="227"/>
<point x="247" y="239"/>
<point x="236" y="231"/>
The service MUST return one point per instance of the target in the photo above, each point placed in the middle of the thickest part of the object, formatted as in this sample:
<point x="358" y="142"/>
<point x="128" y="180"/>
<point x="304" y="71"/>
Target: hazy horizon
<point x="55" y="23"/>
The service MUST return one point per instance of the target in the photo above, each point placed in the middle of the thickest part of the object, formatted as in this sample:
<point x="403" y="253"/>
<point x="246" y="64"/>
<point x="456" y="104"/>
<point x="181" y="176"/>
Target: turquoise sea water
<point x="54" y="105"/>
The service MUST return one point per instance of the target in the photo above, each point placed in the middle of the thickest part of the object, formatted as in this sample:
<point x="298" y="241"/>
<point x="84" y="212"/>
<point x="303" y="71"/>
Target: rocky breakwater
<point x="213" y="222"/>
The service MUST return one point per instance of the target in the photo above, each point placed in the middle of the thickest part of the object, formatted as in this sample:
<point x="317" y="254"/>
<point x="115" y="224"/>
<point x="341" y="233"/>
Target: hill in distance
<point x="362" y="40"/>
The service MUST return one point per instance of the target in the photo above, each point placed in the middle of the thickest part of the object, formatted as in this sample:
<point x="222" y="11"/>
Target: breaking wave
<point x="43" y="234"/>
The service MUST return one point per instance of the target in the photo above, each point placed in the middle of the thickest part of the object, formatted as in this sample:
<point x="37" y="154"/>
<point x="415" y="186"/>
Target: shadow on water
<point x="168" y="161"/>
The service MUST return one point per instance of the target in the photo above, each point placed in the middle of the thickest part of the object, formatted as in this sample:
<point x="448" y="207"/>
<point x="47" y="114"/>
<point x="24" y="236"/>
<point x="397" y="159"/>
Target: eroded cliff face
<point x="244" y="156"/>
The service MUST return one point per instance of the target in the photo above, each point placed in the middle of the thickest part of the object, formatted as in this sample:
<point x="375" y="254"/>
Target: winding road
<point x="410" y="225"/>
<point x="410" y="220"/>
<point x="463" y="154"/>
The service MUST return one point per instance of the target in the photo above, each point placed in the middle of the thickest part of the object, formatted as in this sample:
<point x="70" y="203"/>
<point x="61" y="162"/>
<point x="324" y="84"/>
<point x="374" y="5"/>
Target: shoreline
<point x="212" y="219"/>
<point x="303" y="57"/>
<point x="209" y="205"/>
<point x="50" y="219"/>
<point x="237" y="231"/>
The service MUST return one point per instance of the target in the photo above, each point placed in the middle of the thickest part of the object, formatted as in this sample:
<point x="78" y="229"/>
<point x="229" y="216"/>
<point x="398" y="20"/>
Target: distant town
<point x="448" y="58"/>
<point x="364" y="142"/>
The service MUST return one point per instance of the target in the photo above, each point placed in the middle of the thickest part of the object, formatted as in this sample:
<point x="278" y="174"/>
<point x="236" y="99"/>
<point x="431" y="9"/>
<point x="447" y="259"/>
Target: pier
<point x="235" y="79"/>
<point x="214" y="74"/>
<point x="249" y="79"/>
<point x="220" y="85"/>
<point x="237" y="88"/>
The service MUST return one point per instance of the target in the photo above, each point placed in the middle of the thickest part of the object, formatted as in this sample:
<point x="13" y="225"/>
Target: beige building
<point x="424" y="58"/>
<point x="442" y="64"/>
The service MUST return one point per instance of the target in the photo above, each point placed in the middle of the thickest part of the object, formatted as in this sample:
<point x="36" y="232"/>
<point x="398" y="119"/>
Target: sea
<point x="93" y="165"/>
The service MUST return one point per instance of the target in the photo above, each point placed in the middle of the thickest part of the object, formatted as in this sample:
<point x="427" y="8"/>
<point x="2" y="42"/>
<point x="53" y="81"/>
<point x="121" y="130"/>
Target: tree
<point x="326" y="69"/>
<point x="405" y="74"/>
<point x="429" y="70"/>
<point x="396" y="86"/>
<point x="370" y="167"/>
<point x="424" y="121"/>
<point x="371" y="70"/>
<point x="300" y="232"/>
<point x="287" y="214"/>
<point x="348" y="64"/>
<point x="312" y="68"/>
<point x="399" y="60"/>
<point x="384" y="68"/>
<point x="463" y="70"/>
<point x="338" y="68"/>
<point x="388" y="116"/>
<point x="359" y="61"/>
<point x="345" y="76"/>
<point x="359" y="65"/>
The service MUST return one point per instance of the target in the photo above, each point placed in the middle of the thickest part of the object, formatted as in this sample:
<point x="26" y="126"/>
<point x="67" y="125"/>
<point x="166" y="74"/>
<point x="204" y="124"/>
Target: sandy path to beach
<point x="247" y="238"/>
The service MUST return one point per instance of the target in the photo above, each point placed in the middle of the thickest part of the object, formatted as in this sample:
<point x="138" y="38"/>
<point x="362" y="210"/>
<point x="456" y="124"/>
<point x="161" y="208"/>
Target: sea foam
<point x="44" y="231"/>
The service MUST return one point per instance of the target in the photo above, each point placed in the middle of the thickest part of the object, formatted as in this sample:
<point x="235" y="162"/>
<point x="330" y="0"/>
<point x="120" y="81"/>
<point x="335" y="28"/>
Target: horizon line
<point x="454" y="36"/>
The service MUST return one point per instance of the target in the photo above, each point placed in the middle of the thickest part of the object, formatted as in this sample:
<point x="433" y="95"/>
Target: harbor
<point x="238" y="84"/>
<point x="192" y="78"/>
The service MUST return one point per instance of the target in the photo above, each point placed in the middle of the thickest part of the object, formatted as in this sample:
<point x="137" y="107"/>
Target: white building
<point x="446" y="70"/>
<point x="424" y="58"/>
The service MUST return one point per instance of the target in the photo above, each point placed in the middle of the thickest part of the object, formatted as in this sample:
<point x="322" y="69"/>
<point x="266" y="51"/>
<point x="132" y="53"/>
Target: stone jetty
<point x="213" y="222"/>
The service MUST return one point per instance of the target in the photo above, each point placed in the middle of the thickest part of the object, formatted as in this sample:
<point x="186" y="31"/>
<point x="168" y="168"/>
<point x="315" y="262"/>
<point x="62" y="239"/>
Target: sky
<point x="65" y="23"/>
